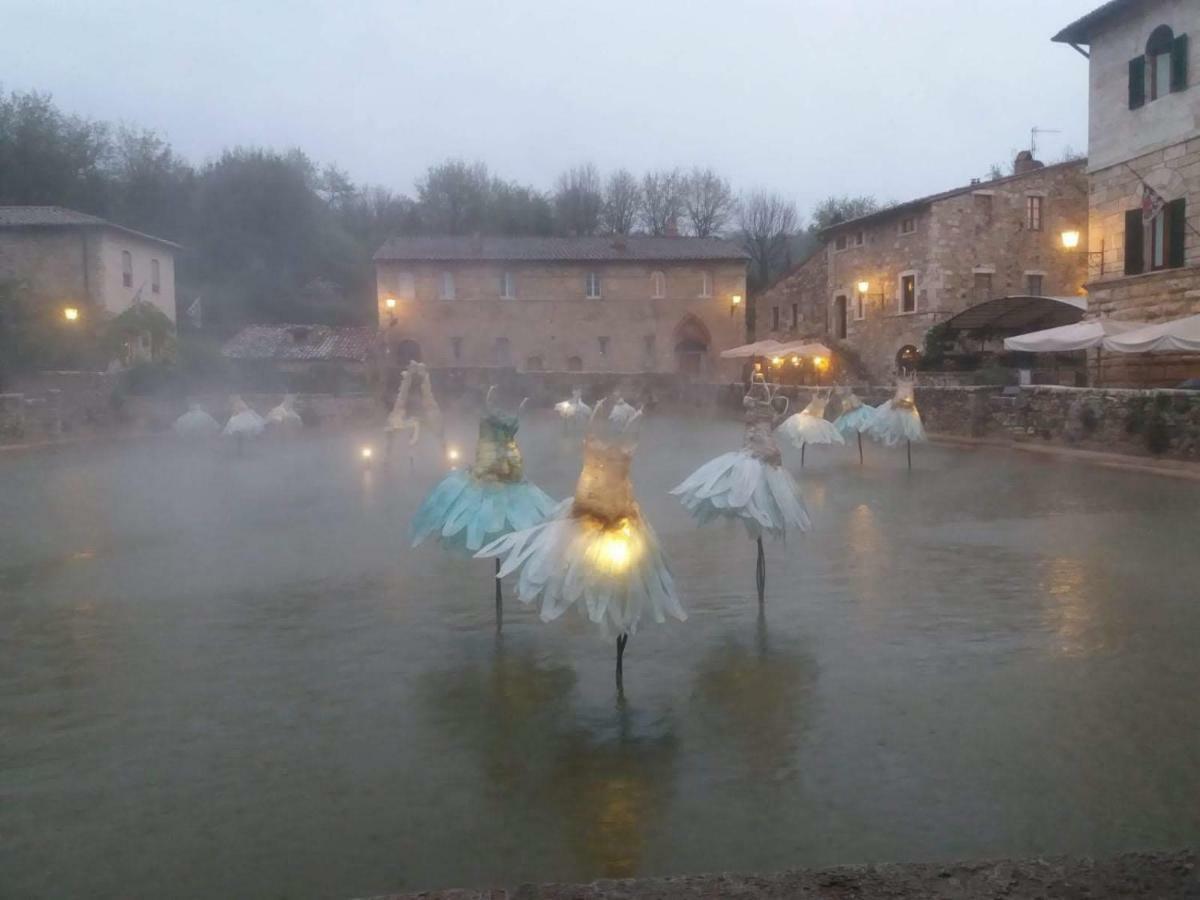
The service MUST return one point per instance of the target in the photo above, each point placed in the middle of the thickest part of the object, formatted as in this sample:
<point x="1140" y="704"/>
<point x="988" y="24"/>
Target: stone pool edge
<point x="1171" y="468"/>
<point x="1134" y="875"/>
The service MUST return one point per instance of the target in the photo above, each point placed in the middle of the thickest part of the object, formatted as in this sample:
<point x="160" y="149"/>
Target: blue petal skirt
<point x="467" y="512"/>
<point x="856" y="421"/>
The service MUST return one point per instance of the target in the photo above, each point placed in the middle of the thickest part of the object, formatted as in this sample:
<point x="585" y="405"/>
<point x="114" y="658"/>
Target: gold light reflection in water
<point x="1064" y="581"/>
<point x="865" y="556"/>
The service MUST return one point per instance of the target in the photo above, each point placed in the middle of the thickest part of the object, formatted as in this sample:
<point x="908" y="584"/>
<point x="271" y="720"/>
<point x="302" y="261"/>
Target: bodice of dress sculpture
<point x="816" y="407"/>
<point x="759" y="436"/>
<point x="497" y="456"/>
<point x="850" y="402"/>
<point x="604" y="490"/>
<point x="904" y="396"/>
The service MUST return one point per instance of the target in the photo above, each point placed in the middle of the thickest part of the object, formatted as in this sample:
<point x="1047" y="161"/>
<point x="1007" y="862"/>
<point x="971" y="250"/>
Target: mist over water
<point x="232" y="677"/>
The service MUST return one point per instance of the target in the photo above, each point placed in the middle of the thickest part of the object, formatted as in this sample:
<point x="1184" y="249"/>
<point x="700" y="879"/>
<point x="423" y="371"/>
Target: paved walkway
<point x="1133" y="876"/>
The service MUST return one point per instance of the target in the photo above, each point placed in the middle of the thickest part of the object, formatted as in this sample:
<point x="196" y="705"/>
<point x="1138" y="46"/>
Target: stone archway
<point x="691" y="340"/>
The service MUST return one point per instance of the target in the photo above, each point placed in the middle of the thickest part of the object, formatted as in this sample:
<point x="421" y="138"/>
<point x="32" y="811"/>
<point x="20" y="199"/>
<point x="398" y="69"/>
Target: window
<point x="795" y="315"/>
<point x="508" y="287"/>
<point x="860" y="305"/>
<point x="447" y="286"/>
<point x="983" y="287"/>
<point x="1033" y="284"/>
<point x="705" y="284"/>
<point x="860" y="238"/>
<point x="908" y="225"/>
<point x="602" y="341"/>
<point x="1161" y="70"/>
<point x="839" y="316"/>
<point x="126" y="268"/>
<point x="983" y="207"/>
<point x="840" y="243"/>
<point x="908" y="292"/>
<point x="456" y="348"/>
<point x="1165" y="238"/>
<point x="534" y="364"/>
<point x="592" y="285"/>
<point x="774" y="318"/>
<point x="1033" y="213"/>
<point x="574" y="364"/>
<point x="155" y="283"/>
<point x="658" y="285"/>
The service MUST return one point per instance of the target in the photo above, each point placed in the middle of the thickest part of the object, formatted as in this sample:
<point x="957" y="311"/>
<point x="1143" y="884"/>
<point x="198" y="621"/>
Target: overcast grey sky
<point x="811" y="97"/>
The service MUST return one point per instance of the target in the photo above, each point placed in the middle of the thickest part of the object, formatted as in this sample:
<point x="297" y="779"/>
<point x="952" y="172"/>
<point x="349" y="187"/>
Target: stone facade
<point x="796" y="305"/>
<point x="961" y="247"/>
<point x="1155" y="143"/>
<point x="84" y="265"/>
<point x="651" y="315"/>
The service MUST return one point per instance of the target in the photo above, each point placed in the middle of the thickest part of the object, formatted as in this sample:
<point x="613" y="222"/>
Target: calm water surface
<point x="232" y="678"/>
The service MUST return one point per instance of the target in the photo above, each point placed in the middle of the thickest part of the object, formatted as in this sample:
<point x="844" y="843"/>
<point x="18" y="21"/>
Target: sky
<point x="893" y="98"/>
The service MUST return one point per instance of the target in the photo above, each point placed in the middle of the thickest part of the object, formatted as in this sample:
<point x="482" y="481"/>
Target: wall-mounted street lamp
<point x="864" y="290"/>
<point x="390" y="302"/>
<point x="1070" y="239"/>
<point x="71" y="314"/>
<point x="734" y="302"/>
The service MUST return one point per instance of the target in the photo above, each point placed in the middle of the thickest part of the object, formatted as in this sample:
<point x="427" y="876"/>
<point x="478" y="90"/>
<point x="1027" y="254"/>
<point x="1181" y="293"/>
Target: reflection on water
<point x="232" y="677"/>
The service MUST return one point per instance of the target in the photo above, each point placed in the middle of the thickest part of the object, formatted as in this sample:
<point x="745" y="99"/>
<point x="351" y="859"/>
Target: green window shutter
<point x="1176" y="213"/>
<point x="1134" y="264"/>
<point x="1137" y="82"/>
<point x="1179" y="61"/>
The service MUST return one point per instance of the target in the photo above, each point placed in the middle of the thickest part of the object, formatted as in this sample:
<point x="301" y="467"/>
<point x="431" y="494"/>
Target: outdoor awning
<point x="758" y="348"/>
<point x="1019" y="313"/>
<point x="804" y="348"/>
<point x="1176" y="336"/>
<point x="1080" y="336"/>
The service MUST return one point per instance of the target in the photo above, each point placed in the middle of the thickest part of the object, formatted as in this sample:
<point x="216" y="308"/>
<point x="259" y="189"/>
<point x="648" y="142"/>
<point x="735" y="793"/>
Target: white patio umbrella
<point x="1080" y="336"/>
<point x="804" y="348"/>
<point x="1176" y="336"/>
<point x="758" y="348"/>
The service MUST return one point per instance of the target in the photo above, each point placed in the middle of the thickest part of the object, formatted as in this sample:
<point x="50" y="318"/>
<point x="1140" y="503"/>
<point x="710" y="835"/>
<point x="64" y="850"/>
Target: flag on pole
<point x="1152" y="204"/>
<point x="195" y="313"/>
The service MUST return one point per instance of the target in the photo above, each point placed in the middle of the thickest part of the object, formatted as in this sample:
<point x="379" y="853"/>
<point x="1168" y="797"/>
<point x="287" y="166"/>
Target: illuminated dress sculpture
<point x="856" y="417"/>
<point x="244" y="424"/>
<point x="284" y="416"/>
<point x="622" y="413"/>
<point x="898" y="420"/>
<point x="750" y="484"/>
<point x="573" y="411"/>
<point x="597" y="551"/>
<point x="809" y="426"/>
<point x="471" y="507"/>
<point x="196" y="423"/>
<point x="401" y="417"/>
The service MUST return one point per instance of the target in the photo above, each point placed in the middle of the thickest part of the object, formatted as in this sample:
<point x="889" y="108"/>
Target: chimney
<point x="974" y="181"/>
<point x="1026" y="163"/>
<point x="619" y="243"/>
<point x="672" y="228"/>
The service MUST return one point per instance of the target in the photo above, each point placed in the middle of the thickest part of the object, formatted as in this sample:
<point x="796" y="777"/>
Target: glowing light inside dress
<point x="367" y="452"/>
<point x="617" y="548"/>
<point x="452" y="454"/>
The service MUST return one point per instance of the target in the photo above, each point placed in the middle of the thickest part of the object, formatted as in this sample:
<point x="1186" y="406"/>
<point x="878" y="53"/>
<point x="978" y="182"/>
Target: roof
<point x="353" y="343"/>
<point x="559" y="249"/>
<point x="921" y="202"/>
<point x="61" y="217"/>
<point x="1080" y="31"/>
<point x="1019" y="313"/>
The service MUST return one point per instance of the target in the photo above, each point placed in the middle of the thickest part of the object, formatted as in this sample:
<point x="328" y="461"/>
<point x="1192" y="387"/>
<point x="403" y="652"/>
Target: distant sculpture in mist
<point x="415" y="407"/>
<point x="487" y="501"/>
<point x="196" y="423"/>
<point x="284" y="418"/>
<point x="856" y="417"/>
<point x="898" y="420"/>
<point x="596" y="552"/>
<point x="245" y="424"/>
<point x="750" y="485"/>
<point x="622" y="413"/>
<point x="573" y="412"/>
<point x="809" y="426"/>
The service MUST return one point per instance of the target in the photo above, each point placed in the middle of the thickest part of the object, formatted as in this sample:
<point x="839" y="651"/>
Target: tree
<point x="622" y="202"/>
<point x="516" y="209"/>
<point x="835" y="210"/>
<point x="335" y="186"/>
<point x="709" y="202"/>
<point x="150" y="187"/>
<point x="767" y="221"/>
<point x="578" y="200"/>
<point x="453" y="197"/>
<point x="662" y="200"/>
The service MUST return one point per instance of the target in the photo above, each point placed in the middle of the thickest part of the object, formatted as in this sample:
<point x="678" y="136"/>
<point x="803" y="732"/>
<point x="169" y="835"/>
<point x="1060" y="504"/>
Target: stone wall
<point x="551" y="325"/>
<point x="799" y="300"/>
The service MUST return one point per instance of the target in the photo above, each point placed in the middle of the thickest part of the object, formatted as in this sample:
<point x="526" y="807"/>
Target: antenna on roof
<point x="1034" y="132"/>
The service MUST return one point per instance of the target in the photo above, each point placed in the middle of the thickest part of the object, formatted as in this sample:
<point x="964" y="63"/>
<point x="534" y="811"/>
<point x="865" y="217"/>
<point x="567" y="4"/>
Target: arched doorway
<point x="692" y="341"/>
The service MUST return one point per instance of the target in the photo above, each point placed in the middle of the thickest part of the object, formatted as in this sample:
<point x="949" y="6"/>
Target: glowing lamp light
<point x="367" y="452"/>
<point x="736" y="299"/>
<point x="864" y="286"/>
<point x="1070" y="239"/>
<point x="777" y="361"/>
<point x="796" y="360"/>
<point x="70" y="313"/>
<point x="820" y="362"/>
<point x="452" y="455"/>
<point x="390" y="302"/>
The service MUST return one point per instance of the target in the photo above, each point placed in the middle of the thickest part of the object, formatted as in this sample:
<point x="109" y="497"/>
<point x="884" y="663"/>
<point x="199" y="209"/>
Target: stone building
<point x="1143" y="131"/>
<point x="925" y="260"/>
<point x="76" y="261"/>
<point x="588" y="304"/>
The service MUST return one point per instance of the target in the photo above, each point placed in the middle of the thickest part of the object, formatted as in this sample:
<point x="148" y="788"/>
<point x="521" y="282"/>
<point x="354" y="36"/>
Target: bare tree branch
<point x="578" y="201"/>
<point x="622" y="202"/>
<point x="709" y="202"/>
<point x="662" y="194"/>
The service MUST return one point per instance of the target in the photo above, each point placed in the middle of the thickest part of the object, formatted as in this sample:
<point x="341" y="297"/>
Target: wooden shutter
<point x="1134" y="264"/>
<point x="1176" y="213"/>
<point x="1179" y="61"/>
<point x="1137" y="82"/>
